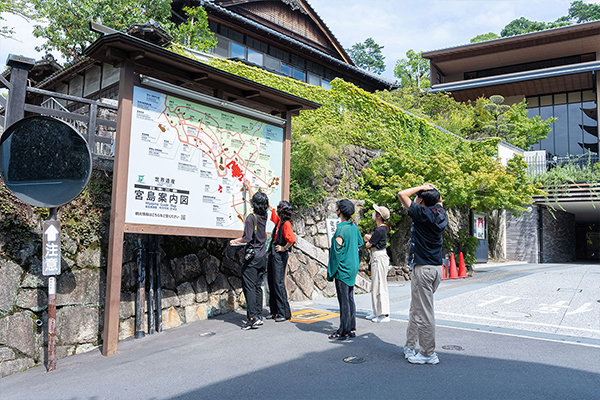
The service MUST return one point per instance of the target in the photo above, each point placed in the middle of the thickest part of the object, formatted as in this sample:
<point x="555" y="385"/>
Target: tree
<point x="413" y="70"/>
<point x="522" y="25"/>
<point x="64" y="23"/>
<point x="194" y="32"/>
<point x="485" y="36"/>
<point x="16" y="7"/>
<point x="493" y="118"/>
<point x="582" y="12"/>
<point x="368" y="55"/>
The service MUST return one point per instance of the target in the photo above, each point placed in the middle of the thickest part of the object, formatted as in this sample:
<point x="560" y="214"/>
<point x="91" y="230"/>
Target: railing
<point x="538" y="163"/>
<point x="101" y="146"/>
<point x="54" y="104"/>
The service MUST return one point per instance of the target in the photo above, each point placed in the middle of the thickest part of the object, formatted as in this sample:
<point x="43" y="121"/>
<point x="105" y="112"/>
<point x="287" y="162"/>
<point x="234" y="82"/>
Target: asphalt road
<point x="482" y="358"/>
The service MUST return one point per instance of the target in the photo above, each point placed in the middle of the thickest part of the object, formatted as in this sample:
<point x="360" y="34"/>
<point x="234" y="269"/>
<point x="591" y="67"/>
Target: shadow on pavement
<point x="386" y="375"/>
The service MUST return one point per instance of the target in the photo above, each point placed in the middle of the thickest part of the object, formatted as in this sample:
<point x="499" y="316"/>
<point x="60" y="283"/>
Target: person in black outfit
<point x="282" y="239"/>
<point x="253" y="270"/>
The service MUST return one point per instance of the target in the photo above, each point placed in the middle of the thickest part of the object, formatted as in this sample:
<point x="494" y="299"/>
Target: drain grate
<point x="208" y="334"/>
<point x="354" y="360"/>
<point x="452" y="347"/>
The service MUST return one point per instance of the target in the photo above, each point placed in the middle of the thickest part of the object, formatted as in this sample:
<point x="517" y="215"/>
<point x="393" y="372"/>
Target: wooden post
<point x="15" y="107"/>
<point x="91" y="129"/>
<point x="287" y="153"/>
<point x="597" y="75"/>
<point x="117" y="212"/>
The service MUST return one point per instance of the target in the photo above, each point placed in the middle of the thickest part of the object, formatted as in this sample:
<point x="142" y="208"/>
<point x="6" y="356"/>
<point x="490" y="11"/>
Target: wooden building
<point x="287" y="37"/>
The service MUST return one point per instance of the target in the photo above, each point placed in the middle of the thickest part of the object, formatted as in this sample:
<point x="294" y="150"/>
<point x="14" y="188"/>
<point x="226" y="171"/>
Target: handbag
<point x="249" y="252"/>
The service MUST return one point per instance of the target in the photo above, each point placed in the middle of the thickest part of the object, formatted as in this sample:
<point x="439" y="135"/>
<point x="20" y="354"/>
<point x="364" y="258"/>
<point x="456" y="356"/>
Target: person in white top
<point x="380" y="265"/>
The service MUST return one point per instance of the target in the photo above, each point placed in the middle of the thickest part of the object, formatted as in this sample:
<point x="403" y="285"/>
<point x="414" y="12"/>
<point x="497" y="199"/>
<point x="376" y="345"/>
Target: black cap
<point x="346" y="207"/>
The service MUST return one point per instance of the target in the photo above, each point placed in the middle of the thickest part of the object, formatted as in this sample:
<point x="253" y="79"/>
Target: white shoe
<point x="421" y="359"/>
<point x="380" y="319"/>
<point x="371" y="316"/>
<point x="408" y="352"/>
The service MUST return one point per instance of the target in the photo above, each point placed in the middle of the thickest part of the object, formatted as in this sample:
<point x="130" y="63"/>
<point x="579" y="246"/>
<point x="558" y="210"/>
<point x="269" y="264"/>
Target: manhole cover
<point x="452" y="347"/>
<point x="207" y="334"/>
<point x="354" y="360"/>
<point x="511" y="314"/>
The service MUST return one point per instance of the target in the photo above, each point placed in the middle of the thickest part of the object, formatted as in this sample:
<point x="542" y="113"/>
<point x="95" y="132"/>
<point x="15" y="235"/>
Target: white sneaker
<point x="408" y="352"/>
<point x="371" y="316"/>
<point x="380" y="319"/>
<point x="421" y="359"/>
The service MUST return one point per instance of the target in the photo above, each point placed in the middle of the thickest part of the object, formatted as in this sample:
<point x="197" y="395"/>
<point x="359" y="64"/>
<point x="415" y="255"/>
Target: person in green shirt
<point x="343" y="267"/>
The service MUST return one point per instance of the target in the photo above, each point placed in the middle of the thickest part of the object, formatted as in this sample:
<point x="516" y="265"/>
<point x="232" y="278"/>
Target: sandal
<point x="352" y="334"/>
<point x="335" y="335"/>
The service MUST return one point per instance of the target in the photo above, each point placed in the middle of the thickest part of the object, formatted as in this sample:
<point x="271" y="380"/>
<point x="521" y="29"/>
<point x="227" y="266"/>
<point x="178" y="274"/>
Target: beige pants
<point x="380" y="297"/>
<point x="421" y="321"/>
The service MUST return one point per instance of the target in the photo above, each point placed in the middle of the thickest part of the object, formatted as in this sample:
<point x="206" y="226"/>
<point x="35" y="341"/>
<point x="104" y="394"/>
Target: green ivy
<point x="413" y="150"/>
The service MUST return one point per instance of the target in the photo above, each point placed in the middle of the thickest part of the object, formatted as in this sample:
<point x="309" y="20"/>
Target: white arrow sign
<point x="51" y="233"/>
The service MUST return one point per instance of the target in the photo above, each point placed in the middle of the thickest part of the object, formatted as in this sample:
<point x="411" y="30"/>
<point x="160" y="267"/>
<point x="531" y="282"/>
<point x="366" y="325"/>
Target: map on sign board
<point x="188" y="162"/>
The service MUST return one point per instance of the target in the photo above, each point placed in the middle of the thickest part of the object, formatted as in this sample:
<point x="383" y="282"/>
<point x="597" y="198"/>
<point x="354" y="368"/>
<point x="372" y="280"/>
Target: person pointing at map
<point x="255" y="258"/>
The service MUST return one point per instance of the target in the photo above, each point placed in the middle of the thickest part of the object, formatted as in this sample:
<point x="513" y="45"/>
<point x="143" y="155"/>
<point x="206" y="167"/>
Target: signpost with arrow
<point x="46" y="163"/>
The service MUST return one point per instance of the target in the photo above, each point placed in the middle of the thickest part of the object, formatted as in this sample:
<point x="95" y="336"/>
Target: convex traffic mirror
<point x="44" y="161"/>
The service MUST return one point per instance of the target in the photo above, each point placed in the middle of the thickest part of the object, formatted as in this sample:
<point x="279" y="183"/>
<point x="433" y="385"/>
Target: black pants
<point x="278" y="301"/>
<point x="253" y="273"/>
<point x="345" y="295"/>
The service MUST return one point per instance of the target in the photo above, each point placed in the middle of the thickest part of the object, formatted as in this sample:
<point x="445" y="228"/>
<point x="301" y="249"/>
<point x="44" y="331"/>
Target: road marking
<point x="520" y="322"/>
<point x="310" y="316"/>
<point x="507" y="300"/>
<point x="519" y="336"/>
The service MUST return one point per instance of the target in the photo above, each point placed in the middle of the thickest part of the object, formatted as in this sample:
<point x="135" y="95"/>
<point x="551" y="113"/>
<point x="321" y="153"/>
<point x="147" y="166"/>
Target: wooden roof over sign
<point x="158" y="62"/>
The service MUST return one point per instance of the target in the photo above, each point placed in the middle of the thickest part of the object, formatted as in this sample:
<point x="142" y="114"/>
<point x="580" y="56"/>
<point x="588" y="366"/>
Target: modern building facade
<point x="557" y="72"/>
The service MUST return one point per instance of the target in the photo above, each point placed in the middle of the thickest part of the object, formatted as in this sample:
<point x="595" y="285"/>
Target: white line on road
<point x="520" y="336"/>
<point x="519" y="322"/>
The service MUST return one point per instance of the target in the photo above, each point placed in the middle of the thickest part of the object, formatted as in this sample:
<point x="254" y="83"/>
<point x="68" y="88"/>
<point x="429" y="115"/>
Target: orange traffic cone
<point x="462" y="269"/>
<point x="453" y="267"/>
<point x="444" y="272"/>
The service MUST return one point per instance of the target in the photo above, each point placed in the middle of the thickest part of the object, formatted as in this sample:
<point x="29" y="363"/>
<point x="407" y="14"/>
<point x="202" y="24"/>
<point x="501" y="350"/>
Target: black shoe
<point x="280" y="319"/>
<point x="249" y="325"/>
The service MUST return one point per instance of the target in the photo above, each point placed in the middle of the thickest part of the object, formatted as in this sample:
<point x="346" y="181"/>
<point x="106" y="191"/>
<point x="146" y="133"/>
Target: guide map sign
<point x="188" y="162"/>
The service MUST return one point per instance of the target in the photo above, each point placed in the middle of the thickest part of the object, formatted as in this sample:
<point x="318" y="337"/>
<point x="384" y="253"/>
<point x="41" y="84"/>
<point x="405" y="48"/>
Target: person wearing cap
<point x="429" y="219"/>
<point x="343" y="267"/>
<point x="380" y="264"/>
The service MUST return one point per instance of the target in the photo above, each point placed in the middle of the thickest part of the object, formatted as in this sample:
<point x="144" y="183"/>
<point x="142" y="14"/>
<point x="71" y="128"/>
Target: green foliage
<point x="15" y="7"/>
<point x="413" y="150"/>
<point x="86" y="217"/>
<point x="64" y="24"/>
<point x="463" y="242"/>
<point x="483" y="119"/>
<point x="413" y="70"/>
<point x="194" y="33"/>
<point x="368" y="55"/>
<point x="493" y="118"/>
<point x="582" y="12"/>
<point x="522" y="25"/>
<point x="583" y="171"/>
<point x="485" y="36"/>
<point x="16" y="223"/>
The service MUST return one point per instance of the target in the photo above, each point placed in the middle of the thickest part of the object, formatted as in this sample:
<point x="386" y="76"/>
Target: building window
<point x="238" y="51"/>
<point x="271" y="63"/>
<point x="255" y="57"/>
<point x="287" y="70"/>
<point x="314" y="79"/>
<point x="299" y="75"/>
<point x="222" y="48"/>
<point x="326" y="84"/>
<point x="575" y="130"/>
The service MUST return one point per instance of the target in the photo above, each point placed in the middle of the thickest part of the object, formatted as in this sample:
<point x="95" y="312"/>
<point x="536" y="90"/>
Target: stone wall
<point x="522" y="236"/>
<point x="557" y="236"/>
